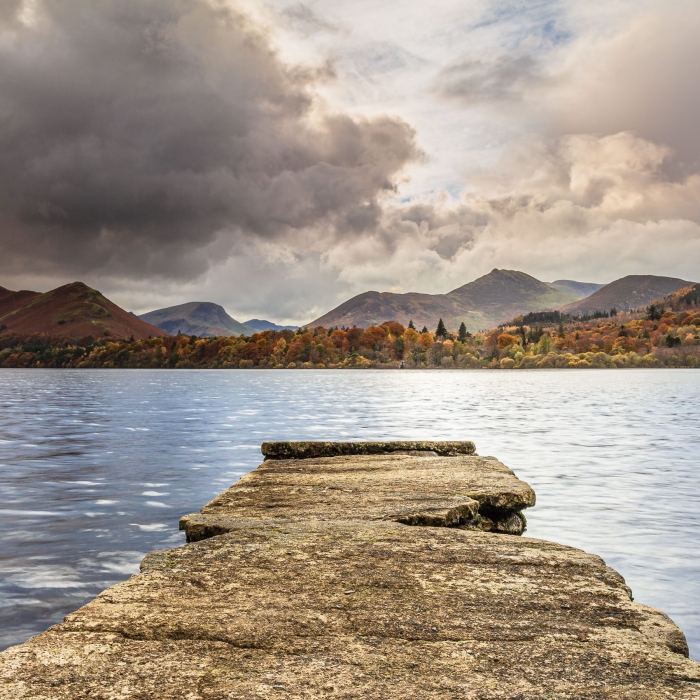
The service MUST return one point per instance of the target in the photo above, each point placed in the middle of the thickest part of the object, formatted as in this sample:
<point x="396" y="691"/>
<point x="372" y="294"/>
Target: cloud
<point x="599" y="207"/>
<point x="643" y="78"/>
<point x="147" y="137"/>
<point x="301" y="18"/>
<point x="165" y="150"/>
<point x="506" y="79"/>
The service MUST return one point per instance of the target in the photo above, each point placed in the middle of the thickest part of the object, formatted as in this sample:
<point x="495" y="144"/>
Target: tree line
<point x="653" y="338"/>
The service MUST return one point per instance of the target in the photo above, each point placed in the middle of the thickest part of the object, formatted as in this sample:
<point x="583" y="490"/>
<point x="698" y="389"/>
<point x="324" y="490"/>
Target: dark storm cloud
<point x="135" y="133"/>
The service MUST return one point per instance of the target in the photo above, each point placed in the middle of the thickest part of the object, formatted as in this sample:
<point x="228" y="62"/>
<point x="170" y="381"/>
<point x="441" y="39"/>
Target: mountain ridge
<point x="10" y="301"/>
<point x="261" y="324"/>
<point x="74" y="310"/>
<point x="200" y="318"/>
<point x="578" y="289"/>
<point x="483" y="303"/>
<point x="625" y="293"/>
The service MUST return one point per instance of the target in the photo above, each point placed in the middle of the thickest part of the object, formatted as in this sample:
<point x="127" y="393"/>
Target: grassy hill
<point x="74" y="311"/>
<point x="200" y="318"/>
<point x="9" y="300"/>
<point x="483" y="303"/>
<point x="631" y="292"/>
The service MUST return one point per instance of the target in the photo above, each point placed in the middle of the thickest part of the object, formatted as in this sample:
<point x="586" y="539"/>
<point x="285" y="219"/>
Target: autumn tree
<point x="544" y="344"/>
<point x="354" y="337"/>
<point x="505" y="340"/>
<point x="426" y="340"/>
<point x="339" y="339"/>
<point x="279" y="351"/>
<point x="411" y="336"/>
<point x="491" y="342"/>
<point x="394" y="327"/>
<point x="374" y="337"/>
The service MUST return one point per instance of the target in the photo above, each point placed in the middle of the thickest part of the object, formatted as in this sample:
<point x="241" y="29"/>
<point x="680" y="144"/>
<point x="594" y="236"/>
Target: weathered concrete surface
<point x="411" y="489"/>
<point x="324" y="595"/>
<point x="359" y="610"/>
<point x="306" y="450"/>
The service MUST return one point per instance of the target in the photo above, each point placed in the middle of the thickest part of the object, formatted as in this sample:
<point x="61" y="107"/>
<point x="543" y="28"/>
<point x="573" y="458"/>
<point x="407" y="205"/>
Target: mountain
<point x="580" y="290"/>
<point x="260" y="324"/>
<point x="629" y="292"/>
<point x="200" y="318"/>
<point x="9" y="300"/>
<point x="74" y="311"/>
<point x="484" y="303"/>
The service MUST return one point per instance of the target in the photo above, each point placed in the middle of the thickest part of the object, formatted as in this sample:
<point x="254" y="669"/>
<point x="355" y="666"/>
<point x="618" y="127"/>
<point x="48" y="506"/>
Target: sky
<point x="279" y="157"/>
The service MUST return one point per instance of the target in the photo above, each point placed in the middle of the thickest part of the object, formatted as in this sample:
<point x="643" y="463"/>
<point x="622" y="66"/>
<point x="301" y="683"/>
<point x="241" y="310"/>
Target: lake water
<point x="97" y="466"/>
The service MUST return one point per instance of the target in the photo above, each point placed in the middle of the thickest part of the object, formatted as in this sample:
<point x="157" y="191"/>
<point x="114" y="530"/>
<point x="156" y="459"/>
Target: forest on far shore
<point x="654" y="337"/>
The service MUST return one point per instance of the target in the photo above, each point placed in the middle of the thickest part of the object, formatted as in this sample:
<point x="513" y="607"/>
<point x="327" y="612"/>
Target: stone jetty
<point x="361" y="570"/>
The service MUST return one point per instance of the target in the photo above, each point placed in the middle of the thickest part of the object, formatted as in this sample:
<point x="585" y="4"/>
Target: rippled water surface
<point x="97" y="466"/>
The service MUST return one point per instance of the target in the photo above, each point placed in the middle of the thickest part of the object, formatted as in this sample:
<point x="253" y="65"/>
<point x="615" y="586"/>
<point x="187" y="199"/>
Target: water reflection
<point x="97" y="466"/>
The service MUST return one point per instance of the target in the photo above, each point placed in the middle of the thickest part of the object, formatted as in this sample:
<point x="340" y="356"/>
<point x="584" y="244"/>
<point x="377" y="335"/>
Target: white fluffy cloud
<point x="594" y="207"/>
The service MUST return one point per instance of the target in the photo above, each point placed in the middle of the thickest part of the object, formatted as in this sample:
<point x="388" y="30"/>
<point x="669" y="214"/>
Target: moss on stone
<point x="307" y="450"/>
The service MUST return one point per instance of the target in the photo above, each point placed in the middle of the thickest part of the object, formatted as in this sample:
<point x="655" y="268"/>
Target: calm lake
<point x="97" y="466"/>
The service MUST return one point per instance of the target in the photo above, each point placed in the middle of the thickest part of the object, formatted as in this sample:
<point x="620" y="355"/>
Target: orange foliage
<point x="394" y="327"/>
<point x="505" y="340"/>
<point x="426" y="341"/>
<point x="373" y="337"/>
<point x="339" y="339"/>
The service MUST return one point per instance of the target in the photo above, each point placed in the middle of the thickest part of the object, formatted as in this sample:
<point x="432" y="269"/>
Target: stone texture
<point x="306" y="450"/>
<point x="410" y="489"/>
<point x="314" y="587"/>
<point x="359" y="610"/>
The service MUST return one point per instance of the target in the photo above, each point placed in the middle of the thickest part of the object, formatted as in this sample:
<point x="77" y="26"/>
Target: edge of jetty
<point x="361" y="570"/>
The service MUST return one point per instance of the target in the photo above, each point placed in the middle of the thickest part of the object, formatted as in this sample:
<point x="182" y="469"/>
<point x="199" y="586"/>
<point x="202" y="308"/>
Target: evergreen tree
<point x="462" y="332"/>
<point x="425" y="329"/>
<point x="655" y="312"/>
<point x="410" y="325"/>
<point x="441" y="331"/>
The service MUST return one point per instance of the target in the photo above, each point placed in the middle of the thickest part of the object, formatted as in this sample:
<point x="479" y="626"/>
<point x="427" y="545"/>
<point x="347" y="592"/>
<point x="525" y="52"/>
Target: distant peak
<point x="73" y="287"/>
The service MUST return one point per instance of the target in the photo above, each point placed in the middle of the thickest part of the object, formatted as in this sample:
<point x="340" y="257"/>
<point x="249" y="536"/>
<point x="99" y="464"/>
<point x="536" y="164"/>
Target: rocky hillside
<point x="627" y="293"/>
<point x="483" y="303"/>
<point x="73" y="311"/>
<point x="200" y="318"/>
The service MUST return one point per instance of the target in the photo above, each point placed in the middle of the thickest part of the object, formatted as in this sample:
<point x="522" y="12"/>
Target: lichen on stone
<point x="307" y="450"/>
